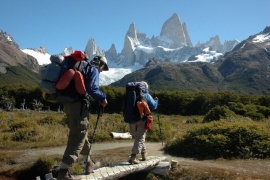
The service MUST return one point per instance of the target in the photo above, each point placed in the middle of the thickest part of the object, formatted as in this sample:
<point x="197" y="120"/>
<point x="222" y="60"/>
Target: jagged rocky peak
<point x="111" y="54"/>
<point x="175" y="31"/>
<point x="112" y="51"/>
<point x="67" y="51"/>
<point x="214" y="43"/>
<point x="229" y="45"/>
<point x="138" y="48"/>
<point x="266" y="30"/>
<point x="42" y="50"/>
<point x="143" y="39"/>
<point x="92" y="49"/>
<point x="189" y="43"/>
<point x="132" y="31"/>
<point x="6" y="38"/>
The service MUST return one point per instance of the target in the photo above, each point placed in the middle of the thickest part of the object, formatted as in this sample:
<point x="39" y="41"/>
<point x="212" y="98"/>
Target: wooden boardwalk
<point x="122" y="169"/>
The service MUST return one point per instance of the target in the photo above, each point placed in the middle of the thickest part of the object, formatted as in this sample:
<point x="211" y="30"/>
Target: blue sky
<point x="57" y="24"/>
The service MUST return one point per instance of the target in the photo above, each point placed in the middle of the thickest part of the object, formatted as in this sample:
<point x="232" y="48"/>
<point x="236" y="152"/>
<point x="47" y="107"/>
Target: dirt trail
<point x="257" y="168"/>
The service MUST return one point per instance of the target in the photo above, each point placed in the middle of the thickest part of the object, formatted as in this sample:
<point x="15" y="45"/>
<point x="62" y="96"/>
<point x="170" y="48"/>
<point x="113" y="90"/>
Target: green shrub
<point x="218" y="113"/>
<point x="223" y="139"/>
<point x="106" y="125"/>
<point x="21" y="123"/>
<point x="256" y="116"/>
<point x="192" y="121"/>
<point x="40" y="168"/>
<point x="100" y="136"/>
<point x="160" y="131"/>
<point x="237" y="108"/>
<point x="24" y="135"/>
<point x="46" y="120"/>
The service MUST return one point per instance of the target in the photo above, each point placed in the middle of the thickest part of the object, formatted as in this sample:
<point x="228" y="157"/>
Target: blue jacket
<point x="152" y="103"/>
<point x="92" y="83"/>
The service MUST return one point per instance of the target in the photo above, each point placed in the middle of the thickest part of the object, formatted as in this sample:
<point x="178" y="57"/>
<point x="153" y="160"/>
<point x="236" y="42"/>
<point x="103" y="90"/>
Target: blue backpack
<point x="134" y="93"/>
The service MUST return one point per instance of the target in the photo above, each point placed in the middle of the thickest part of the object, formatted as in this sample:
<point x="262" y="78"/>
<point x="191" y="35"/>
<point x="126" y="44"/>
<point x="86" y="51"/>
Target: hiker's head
<point x="146" y="85"/>
<point x="100" y="62"/>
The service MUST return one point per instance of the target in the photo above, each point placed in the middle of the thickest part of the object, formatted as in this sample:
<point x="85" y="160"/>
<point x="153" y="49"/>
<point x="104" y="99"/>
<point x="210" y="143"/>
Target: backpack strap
<point x="79" y="84"/>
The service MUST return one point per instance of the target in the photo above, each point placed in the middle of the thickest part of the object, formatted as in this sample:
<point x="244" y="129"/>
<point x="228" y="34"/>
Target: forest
<point x="183" y="103"/>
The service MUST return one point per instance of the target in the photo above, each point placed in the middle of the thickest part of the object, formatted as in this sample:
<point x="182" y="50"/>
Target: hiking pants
<point x="78" y="130"/>
<point x="138" y="132"/>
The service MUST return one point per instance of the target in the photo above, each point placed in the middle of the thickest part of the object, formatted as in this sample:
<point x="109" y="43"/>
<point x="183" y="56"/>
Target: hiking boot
<point x="133" y="160"/>
<point x="144" y="154"/>
<point x="64" y="174"/>
<point x="91" y="166"/>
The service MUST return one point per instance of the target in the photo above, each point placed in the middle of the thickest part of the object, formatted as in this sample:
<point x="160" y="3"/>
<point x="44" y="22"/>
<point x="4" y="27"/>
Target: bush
<point x="20" y="124"/>
<point x="256" y="116"/>
<point x="192" y="121"/>
<point x="160" y="131"/>
<point x="40" y="168"/>
<point x="223" y="139"/>
<point x="255" y="112"/>
<point x="24" y="135"/>
<point x="218" y="113"/>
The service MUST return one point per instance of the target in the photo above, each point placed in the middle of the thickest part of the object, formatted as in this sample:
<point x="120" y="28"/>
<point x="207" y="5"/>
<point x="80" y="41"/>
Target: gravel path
<point x="242" y="167"/>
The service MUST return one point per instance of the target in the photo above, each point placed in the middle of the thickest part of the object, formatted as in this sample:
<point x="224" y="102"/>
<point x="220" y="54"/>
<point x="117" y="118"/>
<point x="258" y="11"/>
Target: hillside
<point x="19" y="75"/>
<point x="178" y="76"/>
<point x="245" y="69"/>
<point x="16" y="66"/>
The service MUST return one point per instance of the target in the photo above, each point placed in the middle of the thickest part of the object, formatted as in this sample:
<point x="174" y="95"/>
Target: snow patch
<point x="41" y="58"/>
<point x="261" y="38"/>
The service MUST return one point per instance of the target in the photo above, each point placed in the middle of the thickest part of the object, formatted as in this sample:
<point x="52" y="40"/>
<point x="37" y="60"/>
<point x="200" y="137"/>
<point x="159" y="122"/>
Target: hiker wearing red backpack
<point x="138" y="127"/>
<point x="77" y="115"/>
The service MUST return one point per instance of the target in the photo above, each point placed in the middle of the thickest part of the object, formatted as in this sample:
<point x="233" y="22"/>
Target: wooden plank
<point x="110" y="171"/>
<point x="122" y="169"/>
<point x="97" y="174"/>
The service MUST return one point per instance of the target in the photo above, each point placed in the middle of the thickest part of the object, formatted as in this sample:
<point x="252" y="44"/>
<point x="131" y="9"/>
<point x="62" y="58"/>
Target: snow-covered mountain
<point x="174" y="45"/>
<point x="106" y="77"/>
<point x="42" y="56"/>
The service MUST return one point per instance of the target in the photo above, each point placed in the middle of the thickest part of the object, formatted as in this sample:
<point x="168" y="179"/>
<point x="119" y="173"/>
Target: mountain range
<point x="245" y="69"/>
<point x="168" y="61"/>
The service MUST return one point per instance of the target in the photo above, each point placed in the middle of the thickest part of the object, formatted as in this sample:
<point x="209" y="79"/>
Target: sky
<point x="58" y="24"/>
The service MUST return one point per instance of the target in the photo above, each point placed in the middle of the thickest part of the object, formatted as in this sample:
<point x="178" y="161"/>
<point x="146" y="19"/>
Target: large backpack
<point x="49" y="75"/>
<point x="134" y="92"/>
<point x="67" y="84"/>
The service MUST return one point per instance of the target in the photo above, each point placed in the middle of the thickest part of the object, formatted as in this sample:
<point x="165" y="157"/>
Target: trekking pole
<point x="159" y="127"/>
<point x="160" y="133"/>
<point x="100" y="112"/>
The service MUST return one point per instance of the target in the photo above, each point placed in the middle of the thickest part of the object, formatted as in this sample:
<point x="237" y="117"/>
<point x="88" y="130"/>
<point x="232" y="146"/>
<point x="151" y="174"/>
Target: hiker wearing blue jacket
<point x="138" y="130"/>
<point x="78" y="120"/>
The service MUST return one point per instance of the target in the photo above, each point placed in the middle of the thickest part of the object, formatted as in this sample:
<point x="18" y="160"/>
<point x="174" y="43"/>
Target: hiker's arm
<point x="92" y="85"/>
<point x="152" y="103"/>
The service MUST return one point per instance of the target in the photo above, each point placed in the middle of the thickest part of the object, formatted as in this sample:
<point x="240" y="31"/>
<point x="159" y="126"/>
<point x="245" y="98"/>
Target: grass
<point x="32" y="129"/>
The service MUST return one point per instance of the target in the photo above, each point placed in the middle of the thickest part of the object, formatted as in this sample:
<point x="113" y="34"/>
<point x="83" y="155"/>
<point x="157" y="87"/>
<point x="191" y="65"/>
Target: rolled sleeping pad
<point x="65" y="79"/>
<point x="79" y="82"/>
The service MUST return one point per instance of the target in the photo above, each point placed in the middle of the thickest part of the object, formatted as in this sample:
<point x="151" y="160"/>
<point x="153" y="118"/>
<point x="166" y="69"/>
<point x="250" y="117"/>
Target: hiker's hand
<point x="104" y="102"/>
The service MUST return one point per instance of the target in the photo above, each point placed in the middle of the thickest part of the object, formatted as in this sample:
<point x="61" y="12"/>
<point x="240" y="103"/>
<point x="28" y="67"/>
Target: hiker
<point x="137" y="127"/>
<point x="78" y="120"/>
